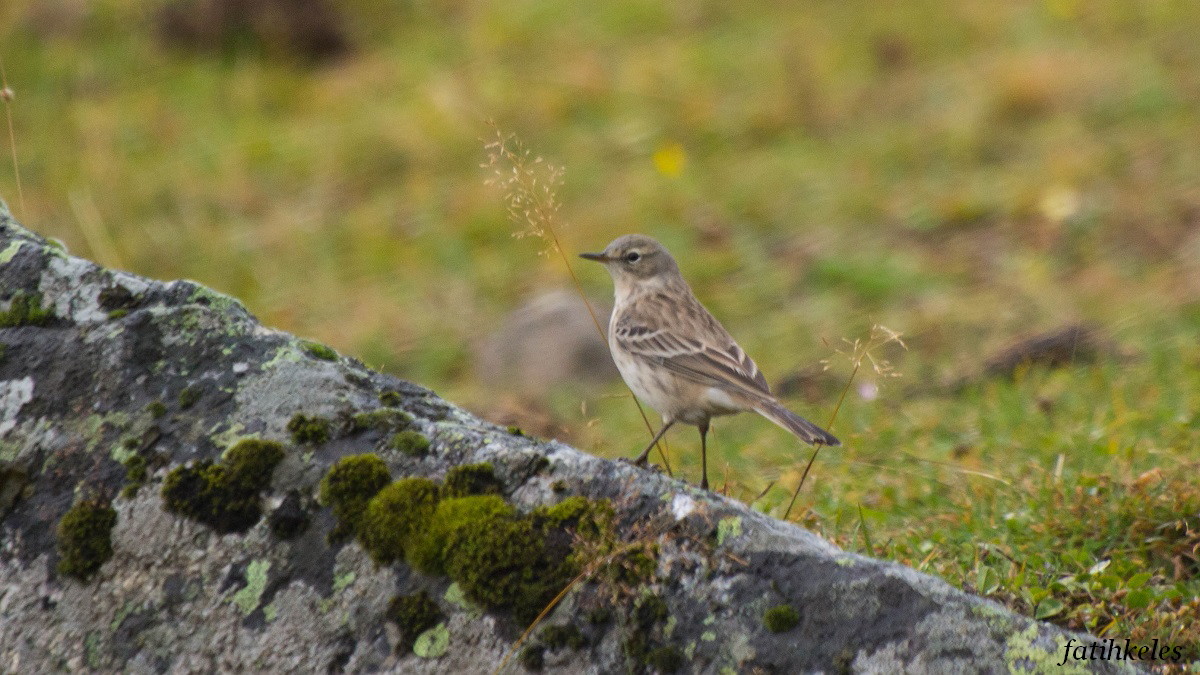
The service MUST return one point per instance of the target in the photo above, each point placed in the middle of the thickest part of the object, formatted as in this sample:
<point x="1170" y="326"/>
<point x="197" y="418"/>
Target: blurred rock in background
<point x="310" y="30"/>
<point x="549" y="340"/>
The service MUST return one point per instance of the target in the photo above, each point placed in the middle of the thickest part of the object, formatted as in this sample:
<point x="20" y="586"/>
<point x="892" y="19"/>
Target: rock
<point x="311" y="30"/>
<point x="122" y="381"/>
<point x="549" y="340"/>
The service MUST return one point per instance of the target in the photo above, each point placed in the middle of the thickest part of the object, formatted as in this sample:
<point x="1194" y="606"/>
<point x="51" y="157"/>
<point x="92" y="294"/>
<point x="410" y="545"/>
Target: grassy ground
<point x="961" y="172"/>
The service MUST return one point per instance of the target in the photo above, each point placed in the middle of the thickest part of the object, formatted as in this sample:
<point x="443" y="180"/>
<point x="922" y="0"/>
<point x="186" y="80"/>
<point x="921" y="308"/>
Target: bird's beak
<point x="598" y="257"/>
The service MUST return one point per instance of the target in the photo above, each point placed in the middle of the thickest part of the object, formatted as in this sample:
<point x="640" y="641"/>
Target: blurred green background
<point x="963" y="172"/>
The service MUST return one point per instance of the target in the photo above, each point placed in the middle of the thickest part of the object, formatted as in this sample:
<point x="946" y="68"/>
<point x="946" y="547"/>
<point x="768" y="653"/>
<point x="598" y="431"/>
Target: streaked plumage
<point x="675" y="356"/>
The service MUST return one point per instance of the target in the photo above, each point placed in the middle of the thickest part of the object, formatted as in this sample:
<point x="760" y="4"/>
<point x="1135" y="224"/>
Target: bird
<point x="676" y="356"/>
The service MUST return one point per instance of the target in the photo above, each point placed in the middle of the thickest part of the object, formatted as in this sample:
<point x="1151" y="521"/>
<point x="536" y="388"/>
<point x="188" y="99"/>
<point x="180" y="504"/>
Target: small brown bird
<point x="675" y="356"/>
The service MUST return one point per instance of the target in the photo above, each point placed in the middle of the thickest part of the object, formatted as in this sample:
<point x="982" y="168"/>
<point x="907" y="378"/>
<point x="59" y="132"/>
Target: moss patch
<point x="253" y="459"/>
<point x="156" y="409"/>
<point x="644" y="637"/>
<point x="427" y="551"/>
<point x="599" y="616"/>
<point x="224" y="496"/>
<point x="781" y="618"/>
<point x="533" y="657"/>
<point x="318" y="350"/>
<point x="136" y="470"/>
<point x="589" y="518"/>
<point x="665" y="659"/>
<point x="557" y="636"/>
<point x="391" y="398"/>
<point x="84" y="538"/>
<point x="307" y="430"/>
<point x="410" y="442"/>
<point x="188" y="397"/>
<point x="349" y="485"/>
<point x="395" y="515"/>
<point x="499" y="559"/>
<point x="472" y="479"/>
<point x="506" y="564"/>
<point x="25" y="310"/>
<point x="382" y="418"/>
<point x="413" y="615"/>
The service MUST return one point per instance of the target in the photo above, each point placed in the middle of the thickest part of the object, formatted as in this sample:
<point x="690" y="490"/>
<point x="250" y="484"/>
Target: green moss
<point x="589" y="518"/>
<point x="318" y="350"/>
<point x="253" y="458"/>
<point x="188" y="397"/>
<point x="666" y="659"/>
<point x="382" y="418"/>
<point x="3" y="351"/>
<point x="395" y="515"/>
<point x="410" y="443"/>
<point x="308" y="430"/>
<point x="599" y="616"/>
<point x="117" y="314"/>
<point x="413" y="615"/>
<point x="643" y="636"/>
<point x="633" y="567"/>
<point x="516" y="431"/>
<point x="472" y="479"/>
<point x="652" y="609"/>
<point x="559" y="486"/>
<point x="156" y="409"/>
<point x="504" y="563"/>
<point x="224" y="496"/>
<point x="557" y="636"/>
<point x="84" y="538"/>
<point x="391" y="398"/>
<point x="427" y="551"/>
<point x="25" y="310"/>
<point x="135" y="469"/>
<point x="781" y="618"/>
<point x="204" y="491"/>
<point x="347" y="487"/>
<point x="533" y="657"/>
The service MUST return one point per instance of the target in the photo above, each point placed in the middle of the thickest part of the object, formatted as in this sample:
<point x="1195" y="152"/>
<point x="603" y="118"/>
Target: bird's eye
<point x="632" y="256"/>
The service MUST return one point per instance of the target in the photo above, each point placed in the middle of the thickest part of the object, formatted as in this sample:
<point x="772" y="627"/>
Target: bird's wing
<point x="688" y="341"/>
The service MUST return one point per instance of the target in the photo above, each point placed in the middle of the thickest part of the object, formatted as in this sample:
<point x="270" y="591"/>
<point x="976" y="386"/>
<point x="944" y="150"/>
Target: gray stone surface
<point x="178" y="597"/>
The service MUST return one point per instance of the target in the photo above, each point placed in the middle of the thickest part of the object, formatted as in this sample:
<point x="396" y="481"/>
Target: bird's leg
<point x="641" y="459"/>
<point x="704" y="455"/>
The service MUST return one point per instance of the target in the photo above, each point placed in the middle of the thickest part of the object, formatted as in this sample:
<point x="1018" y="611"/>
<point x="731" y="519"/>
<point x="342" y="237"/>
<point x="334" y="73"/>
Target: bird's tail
<point x="804" y="430"/>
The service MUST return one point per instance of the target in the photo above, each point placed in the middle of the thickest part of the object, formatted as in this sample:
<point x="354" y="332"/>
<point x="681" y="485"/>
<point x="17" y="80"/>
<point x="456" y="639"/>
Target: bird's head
<point x="635" y="258"/>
